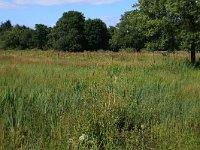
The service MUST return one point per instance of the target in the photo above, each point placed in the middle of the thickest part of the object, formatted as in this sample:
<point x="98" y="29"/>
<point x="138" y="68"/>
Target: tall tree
<point x="5" y="26"/>
<point x="67" y="35"/>
<point x="156" y="25"/>
<point x="96" y="34"/>
<point x="19" y="37"/>
<point x="186" y="14"/>
<point x="127" y="34"/>
<point x="171" y="24"/>
<point x="41" y="36"/>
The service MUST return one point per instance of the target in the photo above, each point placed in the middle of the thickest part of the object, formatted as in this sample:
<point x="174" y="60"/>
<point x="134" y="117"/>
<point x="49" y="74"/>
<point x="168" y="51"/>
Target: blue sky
<point x="31" y="12"/>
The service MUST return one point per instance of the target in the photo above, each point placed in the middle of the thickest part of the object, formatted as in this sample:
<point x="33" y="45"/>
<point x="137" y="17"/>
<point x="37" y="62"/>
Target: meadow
<point x="96" y="101"/>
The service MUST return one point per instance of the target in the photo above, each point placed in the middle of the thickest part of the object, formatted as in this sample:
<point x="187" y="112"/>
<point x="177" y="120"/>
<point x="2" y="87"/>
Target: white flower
<point x="83" y="137"/>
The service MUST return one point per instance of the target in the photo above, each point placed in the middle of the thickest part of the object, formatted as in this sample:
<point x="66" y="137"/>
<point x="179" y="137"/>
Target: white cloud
<point x="13" y="3"/>
<point x="4" y="4"/>
<point x="57" y="2"/>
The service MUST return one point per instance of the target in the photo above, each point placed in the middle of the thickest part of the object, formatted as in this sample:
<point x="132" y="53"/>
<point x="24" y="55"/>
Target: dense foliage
<point x="171" y="24"/>
<point x="41" y="36"/>
<point x="18" y="37"/>
<point x="71" y="33"/>
<point x="96" y="34"/>
<point x="164" y="25"/>
<point x="67" y="35"/>
<point x="126" y="34"/>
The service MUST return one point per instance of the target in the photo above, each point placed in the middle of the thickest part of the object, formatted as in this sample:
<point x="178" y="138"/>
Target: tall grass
<point x="52" y="100"/>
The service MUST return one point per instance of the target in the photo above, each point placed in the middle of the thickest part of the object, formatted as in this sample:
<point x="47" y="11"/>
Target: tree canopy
<point x="40" y="36"/>
<point x="127" y="33"/>
<point x="67" y="35"/>
<point x="164" y="25"/>
<point x="19" y="37"/>
<point x="5" y="26"/>
<point x="71" y="33"/>
<point x="154" y="25"/>
<point x="96" y="34"/>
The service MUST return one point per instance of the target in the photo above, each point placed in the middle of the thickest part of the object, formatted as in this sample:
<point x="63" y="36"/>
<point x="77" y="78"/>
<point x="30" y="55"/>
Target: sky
<point x="31" y="12"/>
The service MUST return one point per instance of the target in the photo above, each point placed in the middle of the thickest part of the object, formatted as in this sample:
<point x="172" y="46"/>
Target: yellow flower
<point x="142" y="126"/>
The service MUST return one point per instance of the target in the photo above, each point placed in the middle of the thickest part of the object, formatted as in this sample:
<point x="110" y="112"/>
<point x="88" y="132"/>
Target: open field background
<point x="51" y="100"/>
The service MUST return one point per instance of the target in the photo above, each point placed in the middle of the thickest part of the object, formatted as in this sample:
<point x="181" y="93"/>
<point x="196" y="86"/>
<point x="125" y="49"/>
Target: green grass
<point x="49" y="100"/>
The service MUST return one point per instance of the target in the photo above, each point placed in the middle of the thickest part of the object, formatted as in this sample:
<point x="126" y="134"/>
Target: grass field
<point x="51" y="100"/>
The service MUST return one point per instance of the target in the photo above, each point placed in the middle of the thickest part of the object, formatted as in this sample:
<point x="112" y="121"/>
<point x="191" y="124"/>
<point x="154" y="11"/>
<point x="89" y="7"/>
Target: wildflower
<point x="83" y="137"/>
<point x="142" y="126"/>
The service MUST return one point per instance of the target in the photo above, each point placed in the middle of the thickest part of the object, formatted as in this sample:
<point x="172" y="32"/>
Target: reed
<point x="51" y="100"/>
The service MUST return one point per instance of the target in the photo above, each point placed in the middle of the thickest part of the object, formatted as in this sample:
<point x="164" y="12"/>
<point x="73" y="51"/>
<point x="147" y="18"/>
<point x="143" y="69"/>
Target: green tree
<point x="156" y="25"/>
<point x="171" y="24"/>
<point x="19" y="37"/>
<point x="186" y="15"/>
<point x="41" y="36"/>
<point x="67" y="35"/>
<point x="96" y="34"/>
<point x="127" y="33"/>
<point x="111" y="31"/>
<point x="5" y="26"/>
<point x="26" y="39"/>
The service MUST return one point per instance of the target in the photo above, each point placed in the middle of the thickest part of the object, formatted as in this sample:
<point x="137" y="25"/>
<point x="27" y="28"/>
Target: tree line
<point x="155" y="25"/>
<point x="71" y="33"/>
